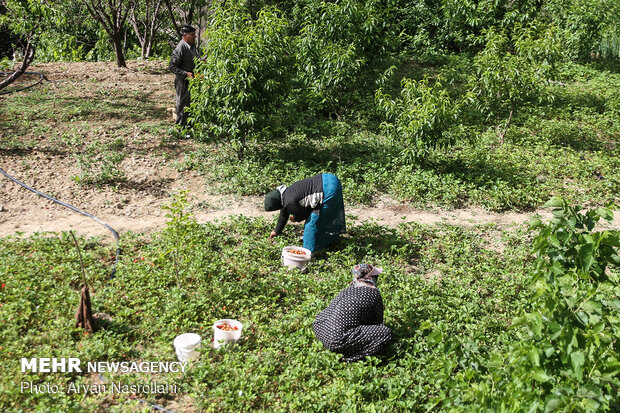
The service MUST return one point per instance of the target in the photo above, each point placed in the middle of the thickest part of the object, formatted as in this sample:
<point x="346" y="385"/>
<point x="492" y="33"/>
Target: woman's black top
<point x="300" y="199"/>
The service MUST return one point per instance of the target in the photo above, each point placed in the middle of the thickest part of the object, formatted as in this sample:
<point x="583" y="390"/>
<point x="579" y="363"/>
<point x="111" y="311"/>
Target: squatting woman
<point x="352" y="324"/>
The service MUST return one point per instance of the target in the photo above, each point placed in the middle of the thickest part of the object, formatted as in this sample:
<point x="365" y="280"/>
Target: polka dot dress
<point x="352" y="324"/>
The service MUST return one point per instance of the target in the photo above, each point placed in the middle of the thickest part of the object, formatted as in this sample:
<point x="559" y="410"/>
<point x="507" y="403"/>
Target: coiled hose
<point x="25" y="87"/>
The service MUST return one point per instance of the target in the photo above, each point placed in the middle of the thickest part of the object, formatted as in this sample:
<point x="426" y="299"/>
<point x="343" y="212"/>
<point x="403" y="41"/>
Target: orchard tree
<point x="512" y="70"/>
<point x="112" y="15"/>
<point x="464" y="22"/>
<point x="590" y="28"/>
<point x="418" y="119"/>
<point x="147" y="17"/>
<point x="26" y="19"/>
<point x="340" y="49"/>
<point x="243" y="81"/>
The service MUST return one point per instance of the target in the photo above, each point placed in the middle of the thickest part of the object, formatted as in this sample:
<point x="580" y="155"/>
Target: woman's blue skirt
<point x="323" y="228"/>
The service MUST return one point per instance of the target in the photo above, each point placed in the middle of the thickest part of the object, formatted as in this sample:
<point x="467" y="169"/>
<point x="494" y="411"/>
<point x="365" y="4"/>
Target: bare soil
<point x="149" y="167"/>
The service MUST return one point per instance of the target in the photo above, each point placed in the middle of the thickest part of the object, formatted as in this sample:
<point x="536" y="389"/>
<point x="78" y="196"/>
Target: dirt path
<point x="43" y="215"/>
<point x="142" y="213"/>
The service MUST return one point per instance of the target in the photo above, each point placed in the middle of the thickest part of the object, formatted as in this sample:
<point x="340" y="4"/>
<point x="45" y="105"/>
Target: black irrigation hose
<point x="41" y="76"/>
<point x="71" y="207"/>
<point x="118" y="251"/>
<point x="156" y="407"/>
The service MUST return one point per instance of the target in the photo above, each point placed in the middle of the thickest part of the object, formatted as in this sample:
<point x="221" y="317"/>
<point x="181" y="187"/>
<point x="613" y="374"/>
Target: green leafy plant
<point x="340" y="51"/>
<point x="588" y="28"/>
<point x="565" y="354"/>
<point x="443" y="281"/>
<point x="243" y="80"/>
<point x="513" y="69"/>
<point x="571" y="349"/>
<point x="178" y="234"/>
<point x="418" y="118"/>
<point x="100" y="164"/>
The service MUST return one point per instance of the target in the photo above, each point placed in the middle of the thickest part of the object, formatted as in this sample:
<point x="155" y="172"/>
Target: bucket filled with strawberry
<point x="226" y="331"/>
<point x="296" y="257"/>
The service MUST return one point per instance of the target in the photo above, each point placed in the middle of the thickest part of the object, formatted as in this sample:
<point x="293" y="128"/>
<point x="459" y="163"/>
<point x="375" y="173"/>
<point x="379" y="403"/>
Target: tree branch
<point x="174" y="22"/>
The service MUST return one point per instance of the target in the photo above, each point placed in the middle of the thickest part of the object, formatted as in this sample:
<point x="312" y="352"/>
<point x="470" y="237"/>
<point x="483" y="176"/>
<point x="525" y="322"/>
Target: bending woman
<point x="352" y="324"/>
<point x="316" y="200"/>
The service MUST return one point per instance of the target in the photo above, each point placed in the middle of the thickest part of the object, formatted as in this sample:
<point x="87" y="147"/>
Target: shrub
<point x="566" y="357"/>
<point x="418" y="118"/>
<point x="243" y="79"/>
<point x="588" y="28"/>
<point x="512" y="70"/>
<point x="340" y="51"/>
<point x="464" y="23"/>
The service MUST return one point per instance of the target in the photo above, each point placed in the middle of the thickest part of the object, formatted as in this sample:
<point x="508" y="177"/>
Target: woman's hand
<point x="273" y="234"/>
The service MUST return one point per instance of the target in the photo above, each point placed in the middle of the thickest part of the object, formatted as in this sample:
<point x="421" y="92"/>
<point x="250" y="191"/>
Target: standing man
<point x="182" y="65"/>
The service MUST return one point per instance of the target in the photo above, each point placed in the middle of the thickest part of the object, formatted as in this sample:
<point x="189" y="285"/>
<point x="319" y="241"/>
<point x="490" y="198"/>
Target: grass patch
<point x="568" y="147"/>
<point x="438" y="281"/>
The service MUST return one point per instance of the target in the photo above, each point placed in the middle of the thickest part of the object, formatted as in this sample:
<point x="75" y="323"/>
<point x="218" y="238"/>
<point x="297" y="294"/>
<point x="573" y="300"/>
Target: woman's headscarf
<point x="366" y="273"/>
<point x="273" y="199"/>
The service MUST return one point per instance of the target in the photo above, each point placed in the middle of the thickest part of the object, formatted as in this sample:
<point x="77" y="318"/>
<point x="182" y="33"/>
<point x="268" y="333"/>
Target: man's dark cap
<point x="187" y="29"/>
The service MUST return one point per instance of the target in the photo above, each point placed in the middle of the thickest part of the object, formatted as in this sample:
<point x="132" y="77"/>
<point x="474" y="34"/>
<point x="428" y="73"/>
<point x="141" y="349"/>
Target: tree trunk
<point x="118" y="51"/>
<point x="112" y="18"/>
<point x="146" y="23"/>
<point x="177" y="29"/>
<point x="28" y="58"/>
<point x="501" y="136"/>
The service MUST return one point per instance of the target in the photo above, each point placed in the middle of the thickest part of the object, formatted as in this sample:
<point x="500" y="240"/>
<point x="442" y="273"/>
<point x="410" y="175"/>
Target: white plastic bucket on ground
<point x="222" y="337"/>
<point x="185" y="346"/>
<point x="296" y="260"/>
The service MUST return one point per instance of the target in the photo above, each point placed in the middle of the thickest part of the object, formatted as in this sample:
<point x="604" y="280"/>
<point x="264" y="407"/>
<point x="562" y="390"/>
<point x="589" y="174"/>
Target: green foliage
<point x="340" y="49"/>
<point x="438" y="282"/>
<point x="418" y="23"/>
<point x="71" y="35"/>
<point x="24" y="17"/>
<point x="589" y="28"/>
<point x="272" y="73"/>
<point x="178" y="236"/>
<point x="574" y="328"/>
<point x="465" y="22"/>
<point x="418" y="119"/>
<point x="243" y="79"/>
<point x="513" y="70"/>
<point x="567" y="357"/>
<point x="100" y="164"/>
<point x="6" y="64"/>
<point x="567" y="148"/>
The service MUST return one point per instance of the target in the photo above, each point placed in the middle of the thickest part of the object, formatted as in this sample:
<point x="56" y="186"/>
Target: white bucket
<point x="222" y="337"/>
<point x="298" y="261"/>
<point x="185" y="346"/>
